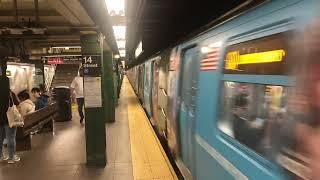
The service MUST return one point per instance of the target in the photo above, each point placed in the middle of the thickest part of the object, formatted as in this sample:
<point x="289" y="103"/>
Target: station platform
<point x="133" y="150"/>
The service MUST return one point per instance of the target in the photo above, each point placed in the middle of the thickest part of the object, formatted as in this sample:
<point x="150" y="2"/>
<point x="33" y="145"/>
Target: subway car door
<point x="154" y="93"/>
<point x="147" y="87"/>
<point x="189" y="83"/>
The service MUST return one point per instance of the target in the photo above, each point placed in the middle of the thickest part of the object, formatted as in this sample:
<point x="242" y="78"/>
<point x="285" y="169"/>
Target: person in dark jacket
<point x="44" y="95"/>
<point x="244" y="127"/>
<point x="5" y="130"/>
<point x="42" y="99"/>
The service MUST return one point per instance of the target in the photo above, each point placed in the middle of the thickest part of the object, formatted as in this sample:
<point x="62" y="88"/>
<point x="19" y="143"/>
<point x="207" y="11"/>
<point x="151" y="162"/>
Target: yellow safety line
<point x="148" y="156"/>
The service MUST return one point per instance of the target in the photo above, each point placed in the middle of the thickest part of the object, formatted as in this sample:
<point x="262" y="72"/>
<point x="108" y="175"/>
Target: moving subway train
<point x="218" y="98"/>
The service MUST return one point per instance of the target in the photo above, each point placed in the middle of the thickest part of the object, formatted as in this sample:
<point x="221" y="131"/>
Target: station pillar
<point x="108" y="86"/>
<point x="116" y="84"/>
<point x="94" y="95"/>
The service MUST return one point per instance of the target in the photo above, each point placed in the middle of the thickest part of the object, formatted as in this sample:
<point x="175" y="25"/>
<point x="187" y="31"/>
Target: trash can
<point x="62" y="96"/>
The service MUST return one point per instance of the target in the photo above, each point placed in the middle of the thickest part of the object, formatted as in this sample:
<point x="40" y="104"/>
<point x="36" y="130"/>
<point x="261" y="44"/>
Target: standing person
<point x="77" y="88"/>
<point x="15" y="102"/>
<point x="5" y="130"/>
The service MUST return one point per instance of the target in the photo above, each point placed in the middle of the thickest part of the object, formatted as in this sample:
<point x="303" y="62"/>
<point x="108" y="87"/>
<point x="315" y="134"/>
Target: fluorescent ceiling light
<point x="119" y="32"/>
<point x="138" y="51"/>
<point x="115" y="7"/>
<point x="122" y="53"/>
<point x="121" y="44"/>
<point x="117" y="56"/>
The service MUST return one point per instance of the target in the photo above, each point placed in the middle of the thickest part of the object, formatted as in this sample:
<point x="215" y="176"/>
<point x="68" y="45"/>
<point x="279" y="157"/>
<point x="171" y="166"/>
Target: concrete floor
<point x="61" y="156"/>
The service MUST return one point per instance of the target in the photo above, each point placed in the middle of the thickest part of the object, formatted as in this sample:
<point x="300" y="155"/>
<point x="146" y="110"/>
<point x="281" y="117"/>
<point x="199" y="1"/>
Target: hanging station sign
<point x="91" y="65"/>
<point x="62" y="59"/>
<point x="55" y="60"/>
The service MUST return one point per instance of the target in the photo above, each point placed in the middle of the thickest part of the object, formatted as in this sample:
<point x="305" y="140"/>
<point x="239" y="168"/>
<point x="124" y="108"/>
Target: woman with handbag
<point x="5" y="129"/>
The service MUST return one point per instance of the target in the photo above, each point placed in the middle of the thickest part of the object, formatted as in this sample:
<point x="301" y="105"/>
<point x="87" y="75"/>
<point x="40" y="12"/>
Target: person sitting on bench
<point x="41" y="99"/>
<point x="26" y="106"/>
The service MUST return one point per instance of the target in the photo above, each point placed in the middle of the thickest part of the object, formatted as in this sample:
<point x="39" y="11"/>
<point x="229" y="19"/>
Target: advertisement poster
<point x="92" y="92"/>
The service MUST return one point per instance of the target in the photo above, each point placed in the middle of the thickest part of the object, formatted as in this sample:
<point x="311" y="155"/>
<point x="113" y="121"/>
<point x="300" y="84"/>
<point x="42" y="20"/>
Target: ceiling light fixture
<point x="119" y="32"/>
<point x="115" y="7"/>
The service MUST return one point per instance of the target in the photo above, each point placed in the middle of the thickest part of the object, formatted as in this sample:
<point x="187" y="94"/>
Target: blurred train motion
<point x="225" y="101"/>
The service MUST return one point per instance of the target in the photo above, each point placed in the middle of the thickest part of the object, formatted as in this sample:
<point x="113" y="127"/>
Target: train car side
<point x="190" y="89"/>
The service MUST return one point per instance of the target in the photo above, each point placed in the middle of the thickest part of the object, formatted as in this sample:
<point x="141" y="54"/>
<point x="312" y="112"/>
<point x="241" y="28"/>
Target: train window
<point x="263" y="56"/>
<point x="250" y="112"/>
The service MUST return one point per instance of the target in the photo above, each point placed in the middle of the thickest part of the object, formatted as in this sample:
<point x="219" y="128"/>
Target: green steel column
<point x="95" y="116"/>
<point x="108" y="87"/>
<point x="116" y="83"/>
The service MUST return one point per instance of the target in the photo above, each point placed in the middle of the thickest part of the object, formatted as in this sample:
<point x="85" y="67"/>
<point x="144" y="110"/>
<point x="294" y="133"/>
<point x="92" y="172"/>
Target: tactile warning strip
<point x="149" y="160"/>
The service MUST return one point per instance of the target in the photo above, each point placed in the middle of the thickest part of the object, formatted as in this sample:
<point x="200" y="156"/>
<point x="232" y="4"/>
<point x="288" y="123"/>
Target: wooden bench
<point x="41" y="120"/>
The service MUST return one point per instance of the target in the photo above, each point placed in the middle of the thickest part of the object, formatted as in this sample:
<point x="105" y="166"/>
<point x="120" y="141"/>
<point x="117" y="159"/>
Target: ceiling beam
<point x="76" y="8"/>
<point x="43" y="45"/>
<point x="59" y="6"/>
<point x="55" y="40"/>
<point x="118" y="20"/>
<point x="63" y="37"/>
<point x="24" y="5"/>
<point x="29" y="13"/>
<point x="25" y="19"/>
<point x="59" y="54"/>
<point x="41" y="37"/>
<point x="36" y="9"/>
<point x="46" y="24"/>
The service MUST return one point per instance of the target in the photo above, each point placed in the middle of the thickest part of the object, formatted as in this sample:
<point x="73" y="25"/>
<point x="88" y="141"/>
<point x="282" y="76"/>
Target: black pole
<point x="36" y="6"/>
<point x="16" y="10"/>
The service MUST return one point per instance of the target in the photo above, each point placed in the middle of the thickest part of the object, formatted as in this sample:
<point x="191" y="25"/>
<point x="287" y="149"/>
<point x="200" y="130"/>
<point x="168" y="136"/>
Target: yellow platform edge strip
<point x="174" y="175"/>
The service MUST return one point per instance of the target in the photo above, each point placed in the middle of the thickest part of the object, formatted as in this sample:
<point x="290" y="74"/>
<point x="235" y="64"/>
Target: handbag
<point x="14" y="117"/>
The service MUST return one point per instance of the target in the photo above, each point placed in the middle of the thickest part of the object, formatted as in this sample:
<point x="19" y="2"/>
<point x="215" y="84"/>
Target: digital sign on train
<point x="263" y="56"/>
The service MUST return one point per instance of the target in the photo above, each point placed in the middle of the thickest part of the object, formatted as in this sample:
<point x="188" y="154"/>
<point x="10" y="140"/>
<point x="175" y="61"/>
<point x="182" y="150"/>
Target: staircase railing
<point x="49" y="75"/>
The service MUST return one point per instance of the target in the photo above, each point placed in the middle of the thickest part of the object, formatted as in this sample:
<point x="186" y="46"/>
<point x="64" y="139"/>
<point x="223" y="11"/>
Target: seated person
<point x="26" y="106"/>
<point x="44" y="94"/>
<point x="35" y="94"/>
<point x="41" y="100"/>
<point x="246" y="130"/>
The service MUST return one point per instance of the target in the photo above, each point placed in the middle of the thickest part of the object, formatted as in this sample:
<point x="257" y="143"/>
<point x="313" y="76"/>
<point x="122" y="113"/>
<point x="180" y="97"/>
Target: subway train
<point x="200" y="93"/>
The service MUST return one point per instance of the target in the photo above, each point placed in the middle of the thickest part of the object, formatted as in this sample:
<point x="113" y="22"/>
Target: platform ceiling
<point x="63" y="20"/>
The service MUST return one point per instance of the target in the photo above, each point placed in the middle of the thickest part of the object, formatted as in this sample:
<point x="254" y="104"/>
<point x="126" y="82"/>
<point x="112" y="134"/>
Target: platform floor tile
<point x="148" y="157"/>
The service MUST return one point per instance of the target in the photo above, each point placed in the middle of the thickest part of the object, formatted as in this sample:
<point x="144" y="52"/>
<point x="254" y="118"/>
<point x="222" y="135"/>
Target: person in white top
<point x="26" y="106"/>
<point x="77" y="88"/>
